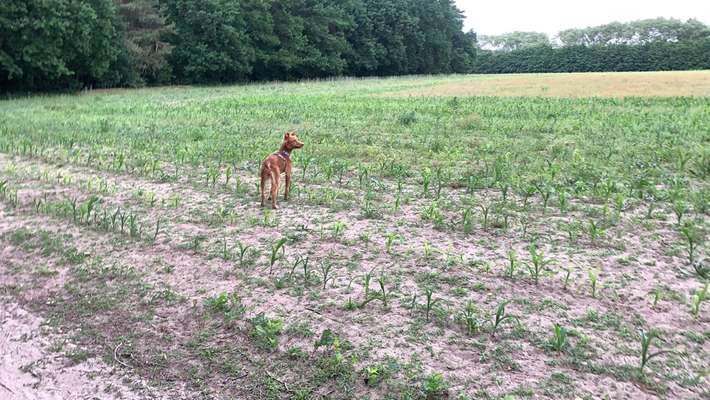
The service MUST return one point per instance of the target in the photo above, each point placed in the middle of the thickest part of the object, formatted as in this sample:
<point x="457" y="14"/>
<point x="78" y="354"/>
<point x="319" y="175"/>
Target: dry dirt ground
<point x="94" y="314"/>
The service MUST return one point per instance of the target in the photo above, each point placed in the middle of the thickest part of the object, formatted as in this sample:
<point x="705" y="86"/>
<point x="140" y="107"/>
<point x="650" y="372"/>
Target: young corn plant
<point x="243" y="249"/>
<point x="467" y="221"/>
<point x="500" y="317"/>
<point x="537" y="264"/>
<point x="595" y="231"/>
<point x="430" y="302"/>
<point x="307" y="273"/>
<point x="646" y="354"/>
<point x="572" y="229"/>
<point x="693" y="237"/>
<point x="157" y="230"/>
<point x="389" y="241"/>
<point x="698" y="299"/>
<point x="593" y="276"/>
<point x="512" y="264"/>
<point x="559" y="338"/>
<point x="545" y="189"/>
<point x="325" y="269"/>
<point x="563" y="201"/>
<point x="470" y="319"/>
<point x="275" y="247"/>
<point x="426" y="181"/>
<point x="384" y="295"/>
<point x="568" y="272"/>
<point x="656" y="296"/>
<point x="485" y="211"/>
<point x="338" y="230"/>
<point x="680" y="208"/>
<point x="427" y="249"/>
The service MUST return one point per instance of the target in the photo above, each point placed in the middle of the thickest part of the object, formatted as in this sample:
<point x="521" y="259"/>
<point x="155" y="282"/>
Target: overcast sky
<point x="492" y="17"/>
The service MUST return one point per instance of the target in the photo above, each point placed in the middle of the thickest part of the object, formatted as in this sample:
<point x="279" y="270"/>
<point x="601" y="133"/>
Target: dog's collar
<point x="284" y="154"/>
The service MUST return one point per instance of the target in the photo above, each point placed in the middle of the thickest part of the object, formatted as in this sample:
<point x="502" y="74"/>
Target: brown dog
<point x="276" y="164"/>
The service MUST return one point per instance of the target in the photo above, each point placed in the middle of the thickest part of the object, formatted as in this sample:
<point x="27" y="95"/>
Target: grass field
<point x="436" y="245"/>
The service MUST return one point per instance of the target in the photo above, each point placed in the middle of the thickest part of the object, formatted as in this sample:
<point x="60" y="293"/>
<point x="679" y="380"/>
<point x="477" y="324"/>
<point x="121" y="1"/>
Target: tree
<point x="513" y="41"/>
<point x="636" y="32"/>
<point x="57" y="45"/>
<point x="210" y="41"/>
<point x="145" y="30"/>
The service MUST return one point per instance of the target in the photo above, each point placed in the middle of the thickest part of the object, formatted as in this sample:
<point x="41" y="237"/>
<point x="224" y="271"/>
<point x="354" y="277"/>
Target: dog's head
<point x="291" y="141"/>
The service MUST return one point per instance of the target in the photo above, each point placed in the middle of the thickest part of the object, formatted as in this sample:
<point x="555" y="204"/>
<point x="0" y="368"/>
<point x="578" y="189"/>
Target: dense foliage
<point x="71" y="44"/>
<point x="656" y="56"/>
<point x="77" y="43"/>
<point x="645" y="45"/>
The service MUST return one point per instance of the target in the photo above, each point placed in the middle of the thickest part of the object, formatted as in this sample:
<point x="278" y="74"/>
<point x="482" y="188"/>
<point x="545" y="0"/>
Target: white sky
<point x="493" y="17"/>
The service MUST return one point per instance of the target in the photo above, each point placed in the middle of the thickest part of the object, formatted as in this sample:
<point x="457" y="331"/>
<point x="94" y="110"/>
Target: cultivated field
<point x="434" y="246"/>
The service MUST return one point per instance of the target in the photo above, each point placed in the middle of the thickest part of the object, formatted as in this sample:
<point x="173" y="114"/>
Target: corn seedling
<point x="512" y="264"/>
<point x="572" y="229"/>
<point x="383" y="292"/>
<point x="366" y="286"/>
<point x="593" y="275"/>
<point x="646" y="354"/>
<point x="568" y="272"/>
<point x="467" y="221"/>
<point x="243" y="248"/>
<point x="430" y="302"/>
<point x="656" y="297"/>
<point x="500" y="317"/>
<point x="595" y="231"/>
<point x="559" y="339"/>
<point x="389" y="241"/>
<point x="693" y="237"/>
<point x="470" y="319"/>
<point x="338" y="229"/>
<point x="680" y="208"/>
<point x="545" y="190"/>
<point x="426" y="181"/>
<point x="157" y="230"/>
<point x="275" y="247"/>
<point x="427" y="249"/>
<point x="698" y="299"/>
<point x="563" y="201"/>
<point x="537" y="263"/>
<point x="326" y="269"/>
<point x="485" y="210"/>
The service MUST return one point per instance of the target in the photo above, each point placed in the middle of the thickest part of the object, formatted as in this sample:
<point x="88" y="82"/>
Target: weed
<point x="266" y="331"/>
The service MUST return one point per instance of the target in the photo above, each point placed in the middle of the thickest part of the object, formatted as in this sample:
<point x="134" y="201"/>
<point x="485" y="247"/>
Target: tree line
<point x="73" y="44"/>
<point x="70" y="44"/>
<point x="657" y="44"/>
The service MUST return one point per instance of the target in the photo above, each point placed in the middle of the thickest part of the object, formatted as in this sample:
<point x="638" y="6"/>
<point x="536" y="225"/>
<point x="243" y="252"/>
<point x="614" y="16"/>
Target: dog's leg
<point x="287" y="186"/>
<point x="274" y="188"/>
<point x="263" y="187"/>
